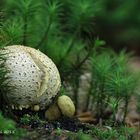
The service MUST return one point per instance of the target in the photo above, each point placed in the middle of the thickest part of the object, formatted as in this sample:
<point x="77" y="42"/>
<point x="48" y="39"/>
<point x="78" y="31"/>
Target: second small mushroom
<point x="64" y="106"/>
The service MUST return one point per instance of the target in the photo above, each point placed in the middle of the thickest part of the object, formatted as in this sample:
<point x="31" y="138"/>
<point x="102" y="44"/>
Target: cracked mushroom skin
<point x="33" y="75"/>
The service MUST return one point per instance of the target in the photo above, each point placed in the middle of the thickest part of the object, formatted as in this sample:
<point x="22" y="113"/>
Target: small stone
<point x="49" y="127"/>
<point x="34" y="124"/>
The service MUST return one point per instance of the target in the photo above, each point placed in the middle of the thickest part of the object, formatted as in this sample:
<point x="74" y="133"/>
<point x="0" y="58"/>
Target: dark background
<point x="118" y="23"/>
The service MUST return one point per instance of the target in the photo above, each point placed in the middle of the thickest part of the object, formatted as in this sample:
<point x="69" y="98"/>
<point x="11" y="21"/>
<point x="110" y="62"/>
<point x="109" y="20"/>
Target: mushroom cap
<point x="33" y="75"/>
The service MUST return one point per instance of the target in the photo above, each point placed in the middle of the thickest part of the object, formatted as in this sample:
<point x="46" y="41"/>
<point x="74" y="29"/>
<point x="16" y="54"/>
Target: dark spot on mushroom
<point x="24" y="74"/>
<point x="37" y="83"/>
<point x="19" y="73"/>
<point x="22" y="64"/>
<point x="27" y="97"/>
<point x="54" y="98"/>
<point x="32" y="71"/>
<point x="30" y="100"/>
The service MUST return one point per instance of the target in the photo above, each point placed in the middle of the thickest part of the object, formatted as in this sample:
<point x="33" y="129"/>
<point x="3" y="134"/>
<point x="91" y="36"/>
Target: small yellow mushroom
<point x="66" y="106"/>
<point x="36" y="108"/>
<point x="53" y="113"/>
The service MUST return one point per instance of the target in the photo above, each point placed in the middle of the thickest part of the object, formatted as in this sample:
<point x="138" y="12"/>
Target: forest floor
<point x="74" y="129"/>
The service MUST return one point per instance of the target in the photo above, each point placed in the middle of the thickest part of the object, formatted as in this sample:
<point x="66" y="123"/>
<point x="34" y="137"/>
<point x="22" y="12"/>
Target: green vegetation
<point x="111" y="81"/>
<point x="97" y="133"/>
<point x="121" y="133"/>
<point x="81" y="136"/>
<point x="27" y="119"/>
<point x="9" y="130"/>
<point x="118" y="22"/>
<point x="4" y="79"/>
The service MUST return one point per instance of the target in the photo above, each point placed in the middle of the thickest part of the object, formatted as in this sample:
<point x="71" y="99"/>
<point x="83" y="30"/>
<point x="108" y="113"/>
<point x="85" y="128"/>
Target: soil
<point x="68" y="129"/>
<point x="71" y="129"/>
<point x="50" y="130"/>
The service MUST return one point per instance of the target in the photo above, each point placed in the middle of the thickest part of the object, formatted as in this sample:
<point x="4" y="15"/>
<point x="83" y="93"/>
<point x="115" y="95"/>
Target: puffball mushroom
<point x="66" y="106"/>
<point x="33" y="75"/>
<point x="36" y="81"/>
